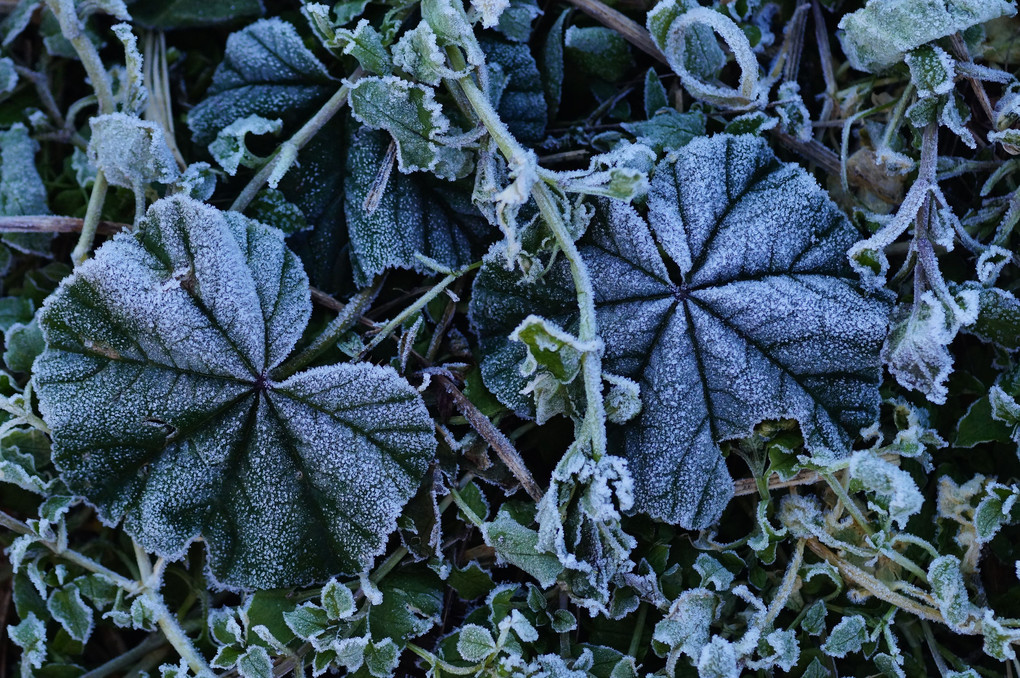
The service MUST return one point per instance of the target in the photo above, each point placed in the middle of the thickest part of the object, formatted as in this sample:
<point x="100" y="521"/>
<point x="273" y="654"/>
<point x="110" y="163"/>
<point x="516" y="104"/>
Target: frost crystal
<point x="158" y="383"/>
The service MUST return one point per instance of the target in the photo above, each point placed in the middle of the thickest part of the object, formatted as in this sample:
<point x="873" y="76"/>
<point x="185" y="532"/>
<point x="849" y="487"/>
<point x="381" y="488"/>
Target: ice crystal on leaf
<point x="158" y="384"/>
<point x="267" y="71"/>
<point x="760" y="318"/>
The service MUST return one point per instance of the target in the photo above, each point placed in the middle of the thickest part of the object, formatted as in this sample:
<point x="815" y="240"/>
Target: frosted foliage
<point x="266" y="71"/>
<point x="157" y="382"/>
<point x="878" y="35"/>
<point x="897" y="492"/>
<point x="414" y="215"/>
<point x="131" y="152"/>
<point x="916" y="348"/>
<point x="21" y="189"/>
<point x="764" y="319"/>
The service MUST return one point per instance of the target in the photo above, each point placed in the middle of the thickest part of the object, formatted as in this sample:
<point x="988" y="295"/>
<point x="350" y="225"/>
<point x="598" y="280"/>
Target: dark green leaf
<point x="169" y="14"/>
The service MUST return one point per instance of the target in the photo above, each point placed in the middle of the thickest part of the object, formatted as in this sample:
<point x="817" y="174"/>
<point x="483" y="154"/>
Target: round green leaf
<point x="157" y="382"/>
<point x="737" y="305"/>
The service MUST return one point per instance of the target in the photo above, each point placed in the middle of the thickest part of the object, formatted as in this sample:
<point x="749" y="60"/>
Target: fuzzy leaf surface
<point x="158" y="384"/>
<point x="266" y="71"/>
<point x="754" y="314"/>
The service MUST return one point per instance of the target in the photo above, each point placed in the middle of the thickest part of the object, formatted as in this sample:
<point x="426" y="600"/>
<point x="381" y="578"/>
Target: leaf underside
<point x="158" y="385"/>
<point x="734" y="305"/>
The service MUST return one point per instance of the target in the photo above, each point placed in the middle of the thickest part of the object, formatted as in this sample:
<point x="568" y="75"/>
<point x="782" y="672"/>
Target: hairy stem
<point x="593" y="425"/>
<point x="166" y="620"/>
<point x="84" y="562"/>
<point x="91" y="222"/>
<point x="287" y="152"/>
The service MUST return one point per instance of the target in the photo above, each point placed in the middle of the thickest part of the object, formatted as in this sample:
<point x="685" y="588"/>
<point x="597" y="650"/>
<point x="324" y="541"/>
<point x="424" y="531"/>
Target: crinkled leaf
<point x="412" y="602"/>
<point x="475" y="643"/>
<point x="762" y="318"/>
<point x="68" y="608"/>
<point x="518" y="545"/>
<point x="415" y="214"/>
<point x="949" y="591"/>
<point x="230" y="150"/>
<point x="266" y="71"/>
<point x="157" y="384"/>
<point x="410" y="113"/>
<point x="998" y="318"/>
<point x="30" y="635"/>
<point x="847" y="636"/>
<point x="878" y="35"/>
<point x="131" y="152"/>
<point x="515" y="21"/>
<point x="668" y="129"/>
<point x="24" y="343"/>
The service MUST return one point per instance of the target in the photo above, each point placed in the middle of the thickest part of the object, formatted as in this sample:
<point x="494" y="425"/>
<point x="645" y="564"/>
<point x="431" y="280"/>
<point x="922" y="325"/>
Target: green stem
<point x="848" y="502"/>
<point x="639" y="629"/>
<point x="84" y="562"/>
<point x="389" y="327"/>
<point x="287" y="152"/>
<point x="591" y="362"/>
<point x="120" y="663"/>
<point x="74" y="31"/>
<point x="786" y="587"/>
<point x="387" y="565"/>
<point x="165" y="619"/>
<point x="465" y="509"/>
<point x="349" y="315"/>
<point x="443" y="665"/>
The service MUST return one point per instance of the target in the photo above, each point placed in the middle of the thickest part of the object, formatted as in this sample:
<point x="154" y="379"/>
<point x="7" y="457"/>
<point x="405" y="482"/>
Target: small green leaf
<point x="668" y="130"/>
<point x="30" y="635"/>
<point x="24" y="344"/>
<point x="381" y="658"/>
<point x="337" y="600"/>
<point x="475" y="643"/>
<point x="255" y="663"/>
<point x="655" y="94"/>
<point x="846" y="637"/>
<point x="599" y="52"/>
<point x="518" y="545"/>
<point x="68" y="608"/>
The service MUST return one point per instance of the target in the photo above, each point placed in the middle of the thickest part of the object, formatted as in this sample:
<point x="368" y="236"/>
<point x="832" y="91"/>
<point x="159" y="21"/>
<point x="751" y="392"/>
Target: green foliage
<point x="508" y="340"/>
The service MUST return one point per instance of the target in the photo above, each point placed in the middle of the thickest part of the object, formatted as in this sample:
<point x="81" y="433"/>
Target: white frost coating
<point x="718" y="660"/>
<point x="932" y="70"/>
<point x="157" y="383"/>
<point x="490" y="10"/>
<point x="418" y="53"/>
<point x="132" y="153"/>
<point x="132" y="95"/>
<point x="900" y="498"/>
<point x="267" y="71"/>
<point x="230" y="150"/>
<point x="916" y="349"/>
<point x="991" y="262"/>
<point x="877" y="36"/>
<point x="749" y="93"/>
<point x="21" y="188"/>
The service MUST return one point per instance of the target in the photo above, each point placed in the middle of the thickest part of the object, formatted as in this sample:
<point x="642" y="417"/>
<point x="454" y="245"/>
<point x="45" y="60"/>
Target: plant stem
<point x="639" y="629"/>
<point x="494" y="437"/>
<point x="48" y="224"/>
<point x="165" y="619"/>
<point x="593" y="424"/>
<point x="848" y="502"/>
<point x="91" y="222"/>
<point x="120" y="663"/>
<point x="465" y="509"/>
<point x="287" y="152"/>
<point x="73" y="30"/>
<point x="436" y="290"/>
<point x="786" y="587"/>
<point x="84" y="562"/>
<point x="349" y="315"/>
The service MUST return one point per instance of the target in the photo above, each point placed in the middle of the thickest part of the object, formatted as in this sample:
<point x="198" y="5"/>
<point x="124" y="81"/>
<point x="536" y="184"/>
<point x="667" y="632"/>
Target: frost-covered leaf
<point x="932" y="70"/>
<point x="668" y="130"/>
<point x="999" y="639"/>
<point x="230" y="150"/>
<point x="718" y="660"/>
<point x="686" y="626"/>
<point x="896" y="492"/>
<point x="847" y="636"/>
<point x="551" y="64"/>
<point x="762" y="319"/>
<point x="170" y="14"/>
<point x="30" y="635"/>
<point x="702" y="55"/>
<point x="22" y="191"/>
<point x="413" y="214"/>
<point x="950" y="592"/>
<point x="158" y="385"/>
<point x="68" y="608"/>
<point x="516" y="19"/>
<point x="266" y="71"/>
<point x="411" y="604"/>
<point x="131" y="152"/>
<point x="879" y="35"/>
<point x="998" y="318"/>
<point x="410" y="113"/>
<point x="417" y="53"/>
<point x="997" y="507"/>
<point x="475" y="643"/>
<point x="337" y="600"/>
<point x="916" y="350"/>
<point x="518" y="545"/>
<point x="24" y="343"/>
<point x="364" y="43"/>
<point x="255" y="663"/>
